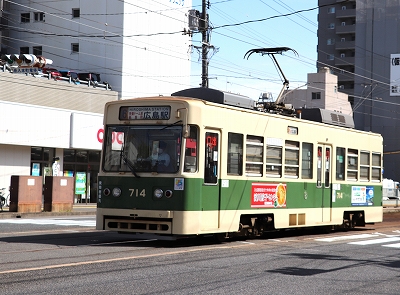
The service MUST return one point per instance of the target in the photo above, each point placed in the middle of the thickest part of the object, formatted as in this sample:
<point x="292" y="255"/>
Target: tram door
<point x="324" y="183"/>
<point x="210" y="196"/>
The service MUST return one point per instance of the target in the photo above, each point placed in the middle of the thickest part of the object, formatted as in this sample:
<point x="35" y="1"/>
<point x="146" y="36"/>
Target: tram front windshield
<point x="142" y="149"/>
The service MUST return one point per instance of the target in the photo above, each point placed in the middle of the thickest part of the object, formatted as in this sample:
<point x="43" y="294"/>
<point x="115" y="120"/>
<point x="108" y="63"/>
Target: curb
<point x="76" y="210"/>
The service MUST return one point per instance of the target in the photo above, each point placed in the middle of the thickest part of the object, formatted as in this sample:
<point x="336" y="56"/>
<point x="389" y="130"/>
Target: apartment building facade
<point x="356" y="39"/>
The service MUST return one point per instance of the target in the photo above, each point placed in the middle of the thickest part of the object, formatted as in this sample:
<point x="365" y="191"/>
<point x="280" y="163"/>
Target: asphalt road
<point x="61" y="257"/>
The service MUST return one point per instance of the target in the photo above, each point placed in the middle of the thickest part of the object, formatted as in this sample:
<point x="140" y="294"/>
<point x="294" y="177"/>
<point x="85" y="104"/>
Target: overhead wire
<point x="216" y="27"/>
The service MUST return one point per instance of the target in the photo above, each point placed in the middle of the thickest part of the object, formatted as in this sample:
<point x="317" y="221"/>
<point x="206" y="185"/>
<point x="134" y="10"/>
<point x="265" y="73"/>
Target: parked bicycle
<point x="4" y="199"/>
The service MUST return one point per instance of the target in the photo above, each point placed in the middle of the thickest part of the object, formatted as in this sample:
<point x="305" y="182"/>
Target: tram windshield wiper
<point x="128" y="162"/>
<point x="170" y="125"/>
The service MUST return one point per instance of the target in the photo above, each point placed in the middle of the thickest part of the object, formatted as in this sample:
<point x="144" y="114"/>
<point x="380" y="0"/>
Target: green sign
<point x="80" y="183"/>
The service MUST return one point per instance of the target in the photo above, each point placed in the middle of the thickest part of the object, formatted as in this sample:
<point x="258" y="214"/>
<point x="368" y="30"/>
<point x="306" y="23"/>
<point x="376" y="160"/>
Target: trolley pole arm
<point x="285" y="81"/>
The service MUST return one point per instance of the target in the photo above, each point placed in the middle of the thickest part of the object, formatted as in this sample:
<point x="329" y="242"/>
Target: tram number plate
<point x="135" y="192"/>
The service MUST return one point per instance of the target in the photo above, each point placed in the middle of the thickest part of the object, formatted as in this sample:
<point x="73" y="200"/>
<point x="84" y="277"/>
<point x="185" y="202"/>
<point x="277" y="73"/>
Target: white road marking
<point x="376" y="241"/>
<point x="344" y="238"/>
<point x="45" y="221"/>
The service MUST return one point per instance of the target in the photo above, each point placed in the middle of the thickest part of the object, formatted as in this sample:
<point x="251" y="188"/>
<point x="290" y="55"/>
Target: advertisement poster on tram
<point x="268" y="195"/>
<point x="362" y="196"/>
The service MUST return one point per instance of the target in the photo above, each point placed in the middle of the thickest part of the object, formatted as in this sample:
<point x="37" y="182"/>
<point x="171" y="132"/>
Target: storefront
<point x="33" y="137"/>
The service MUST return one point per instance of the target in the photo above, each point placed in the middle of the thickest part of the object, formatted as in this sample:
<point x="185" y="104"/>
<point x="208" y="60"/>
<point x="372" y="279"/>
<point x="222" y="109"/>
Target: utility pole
<point x="198" y="23"/>
<point x="204" y="44"/>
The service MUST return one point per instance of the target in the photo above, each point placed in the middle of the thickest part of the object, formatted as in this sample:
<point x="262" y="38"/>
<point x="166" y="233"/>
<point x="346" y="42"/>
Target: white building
<point x="42" y="119"/>
<point x="138" y="47"/>
<point x="321" y="92"/>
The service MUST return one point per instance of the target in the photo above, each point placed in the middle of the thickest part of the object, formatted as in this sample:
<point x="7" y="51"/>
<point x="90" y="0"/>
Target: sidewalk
<point x="78" y="209"/>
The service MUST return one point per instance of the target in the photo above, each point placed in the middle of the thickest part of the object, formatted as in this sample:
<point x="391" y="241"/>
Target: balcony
<point x="349" y="29"/>
<point x="345" y="77"/>
<point x="345" y="45"/>
<point x="344" y="61"/>
<point x="346" y="13"/>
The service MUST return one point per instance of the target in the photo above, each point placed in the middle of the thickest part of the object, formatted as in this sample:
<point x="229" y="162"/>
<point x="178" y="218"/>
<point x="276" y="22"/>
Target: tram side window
<point x="307" y="160"/>
<point x="291" y="159"/>
<point x="364" y="166"/>
<point x="191" y="151"/>
<point x="340" y="156"/>
<point x="273" y="166"/>
<point x="352" y="164"/>
<point x="235" y="154"/>
<point x="254" y="155"/>
<point x="376" y="167"/>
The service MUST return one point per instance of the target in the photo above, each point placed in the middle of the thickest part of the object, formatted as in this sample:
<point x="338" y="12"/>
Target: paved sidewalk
<point x="78" y="209"/>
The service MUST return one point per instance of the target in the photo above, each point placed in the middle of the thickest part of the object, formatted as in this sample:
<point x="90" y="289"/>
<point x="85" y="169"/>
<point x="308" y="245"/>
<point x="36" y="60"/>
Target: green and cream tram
<point x="231" y="169"/>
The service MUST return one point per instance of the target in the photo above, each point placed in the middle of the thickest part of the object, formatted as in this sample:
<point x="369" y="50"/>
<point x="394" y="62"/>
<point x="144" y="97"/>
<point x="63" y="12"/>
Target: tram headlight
<point x="158" y="193"/>
<point x="116" y="192"/>
<point x="106" y="192"/>
<point x="168" y="193"/>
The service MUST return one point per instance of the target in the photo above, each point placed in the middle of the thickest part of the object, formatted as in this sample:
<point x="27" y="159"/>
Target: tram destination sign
<point x="145" y="113"/>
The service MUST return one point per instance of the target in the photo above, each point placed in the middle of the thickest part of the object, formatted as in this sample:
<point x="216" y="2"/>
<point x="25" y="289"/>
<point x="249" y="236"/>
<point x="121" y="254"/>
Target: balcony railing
<point x="344" y="61"/>
<point x="348" y="29"/>
<point x="344" y="45"/>
<point x="346" y="13"/>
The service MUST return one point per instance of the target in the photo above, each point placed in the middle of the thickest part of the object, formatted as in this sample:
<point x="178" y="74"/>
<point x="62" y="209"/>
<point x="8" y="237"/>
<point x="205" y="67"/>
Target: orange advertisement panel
<point x="268" y="195"/>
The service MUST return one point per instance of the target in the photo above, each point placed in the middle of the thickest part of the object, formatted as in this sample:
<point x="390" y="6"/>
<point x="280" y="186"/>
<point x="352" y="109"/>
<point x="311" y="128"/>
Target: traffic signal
<point x="26" y="60"/>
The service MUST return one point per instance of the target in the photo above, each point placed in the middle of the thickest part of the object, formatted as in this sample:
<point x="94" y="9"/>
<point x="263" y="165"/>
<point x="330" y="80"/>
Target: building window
<point x="37" y="50"/>
<point x="343" y="24"/>
<point x="331" y="26"/>
<point x="331" y="9"/>
<point x="330" y="57"/>
<point x="38" y="16"/>
<point x="343" y="55"/>
<point x="24" y="50"/>
<point x="330" y="42"/>
<point x="76" y="12"/>
<point x="25" y="17"/>
<point x="75" y="47"/>
<point x="343" y="40"/>
<point x="41" y="159"/>
<point x="316" y="95"/>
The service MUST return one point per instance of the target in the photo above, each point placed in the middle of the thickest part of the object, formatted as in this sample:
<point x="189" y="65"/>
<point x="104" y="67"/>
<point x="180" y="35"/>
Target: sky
<point x="239" y="26"/>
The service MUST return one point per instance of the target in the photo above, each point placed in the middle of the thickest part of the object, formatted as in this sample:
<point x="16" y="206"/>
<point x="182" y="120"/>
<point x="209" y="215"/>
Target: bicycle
<point x="4" y="198"/>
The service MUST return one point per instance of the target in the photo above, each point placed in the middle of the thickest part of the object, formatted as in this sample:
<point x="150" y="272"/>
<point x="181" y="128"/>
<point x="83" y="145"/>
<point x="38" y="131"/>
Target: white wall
<point x="31" y="125"/>
<point x="14" y="160"/>
<point x="138" y="48"/>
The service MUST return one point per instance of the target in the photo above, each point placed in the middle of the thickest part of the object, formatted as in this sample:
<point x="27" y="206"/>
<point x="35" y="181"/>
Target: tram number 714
<point x="135" y="192"/>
